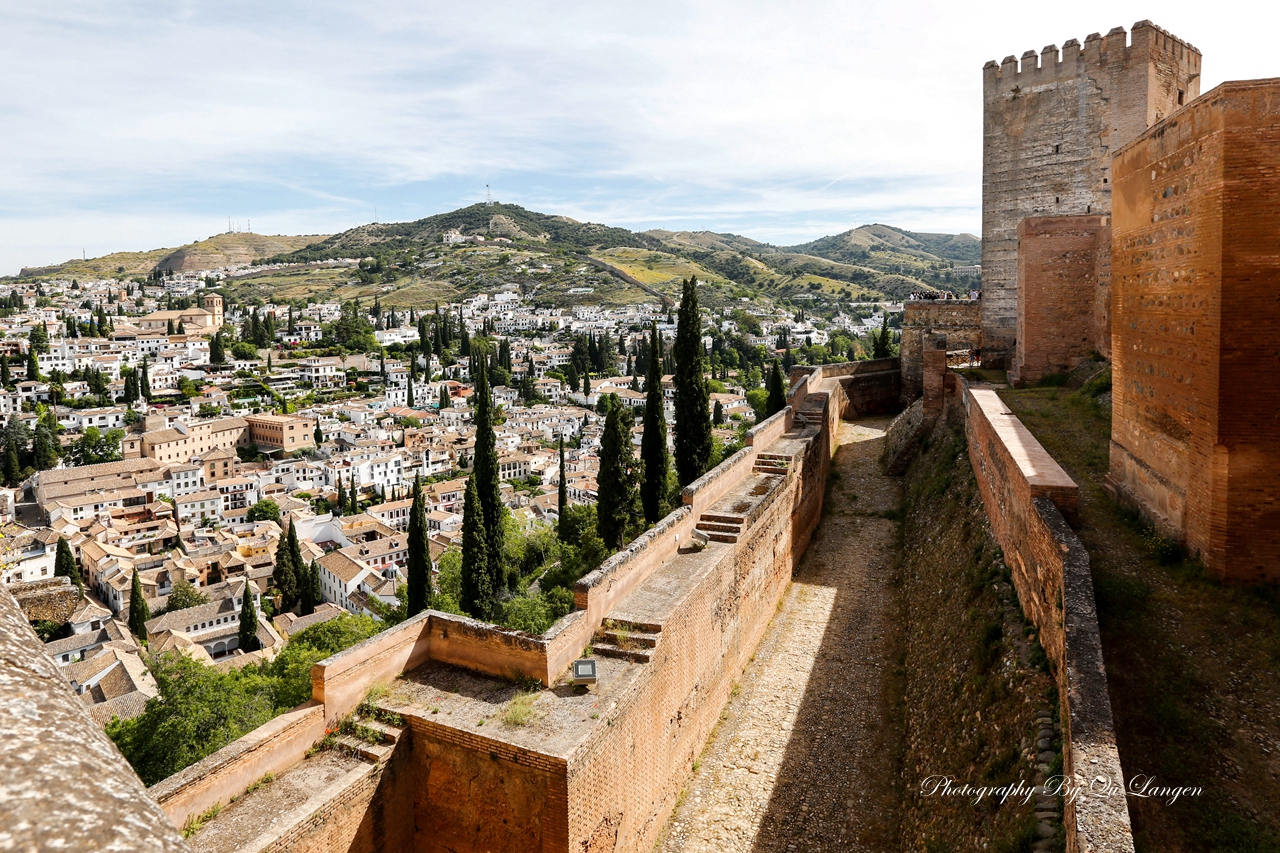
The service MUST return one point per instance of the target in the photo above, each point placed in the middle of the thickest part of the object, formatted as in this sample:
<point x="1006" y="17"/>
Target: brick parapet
<point x="1025" y="492"/>
<point x="922" y="320"/>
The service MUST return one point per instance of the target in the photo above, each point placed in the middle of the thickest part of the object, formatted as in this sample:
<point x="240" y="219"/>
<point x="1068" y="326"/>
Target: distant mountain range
<point x="876" y="261"/>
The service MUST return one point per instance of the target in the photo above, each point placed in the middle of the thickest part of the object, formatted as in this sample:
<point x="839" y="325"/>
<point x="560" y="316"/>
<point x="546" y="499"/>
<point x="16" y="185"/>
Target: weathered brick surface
<point x="1063" y="264"/>
<point x="1051" y="124"/>
<point x="922" y="321"/>
<point x="1028" y="499"/>
<point x="1196" y="320"/>
<point x="51" y="599"/>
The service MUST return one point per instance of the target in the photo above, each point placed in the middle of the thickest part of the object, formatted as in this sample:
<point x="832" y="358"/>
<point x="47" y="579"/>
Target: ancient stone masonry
<point x="1064" y="294"/>
<point x="1030" y="500"/>
<point x="922" y="321"/>
<point x="1196" y="321"/>
<point x="1051" y="124"/>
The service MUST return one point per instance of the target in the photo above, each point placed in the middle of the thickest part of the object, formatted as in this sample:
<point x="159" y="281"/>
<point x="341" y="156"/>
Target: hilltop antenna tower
<point x="488" y="196"/>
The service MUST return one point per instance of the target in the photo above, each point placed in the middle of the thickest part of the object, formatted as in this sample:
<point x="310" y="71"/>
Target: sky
<point x="138" y="125"/>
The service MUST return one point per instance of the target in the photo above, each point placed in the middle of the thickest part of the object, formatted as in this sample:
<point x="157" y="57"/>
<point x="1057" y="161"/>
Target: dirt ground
<point x="803" y="759"/>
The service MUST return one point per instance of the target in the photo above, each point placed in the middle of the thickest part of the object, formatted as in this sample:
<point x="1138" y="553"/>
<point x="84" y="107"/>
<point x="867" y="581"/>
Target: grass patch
<point x="1190" y="662"/>
<point x="195" y="824"/>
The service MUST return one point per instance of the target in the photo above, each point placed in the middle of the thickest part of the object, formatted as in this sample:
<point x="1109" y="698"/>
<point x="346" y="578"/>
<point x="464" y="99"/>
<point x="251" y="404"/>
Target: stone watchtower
<point x="212" y="303"/>
<point x="1051" y="124"/>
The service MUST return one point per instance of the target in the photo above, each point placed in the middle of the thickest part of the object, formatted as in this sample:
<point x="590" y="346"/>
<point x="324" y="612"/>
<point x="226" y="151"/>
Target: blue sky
<point x="135" y="125"/>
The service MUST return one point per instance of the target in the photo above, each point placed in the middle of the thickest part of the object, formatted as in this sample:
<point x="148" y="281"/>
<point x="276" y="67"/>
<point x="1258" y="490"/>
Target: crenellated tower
<point x="1052" y="121"/>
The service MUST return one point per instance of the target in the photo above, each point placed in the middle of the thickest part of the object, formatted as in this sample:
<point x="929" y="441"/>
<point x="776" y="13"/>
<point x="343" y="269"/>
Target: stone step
<point x="719" y="527"/>
<point x="776" y="458"/>
<point x="609" y="650"/>
<point x="390" y="734"/>
<point x="729" y="538"/>
<point x="722" y="518"/>
<point x="375" y="753"/>
<point x="625" y="639"/>
<point x="767" y="469"/>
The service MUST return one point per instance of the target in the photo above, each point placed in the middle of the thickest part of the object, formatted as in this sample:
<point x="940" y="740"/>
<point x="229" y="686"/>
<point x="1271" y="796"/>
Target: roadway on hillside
<point x="803" y="759"/>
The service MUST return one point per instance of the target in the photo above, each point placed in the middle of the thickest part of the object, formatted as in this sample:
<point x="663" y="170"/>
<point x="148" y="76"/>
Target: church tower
<point x="212" y="303"/>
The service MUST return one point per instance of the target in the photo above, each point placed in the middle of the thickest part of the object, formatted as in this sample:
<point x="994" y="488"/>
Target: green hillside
<point x="217" y="251"/>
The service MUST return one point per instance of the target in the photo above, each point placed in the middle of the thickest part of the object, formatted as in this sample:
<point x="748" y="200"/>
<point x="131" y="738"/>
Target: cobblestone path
<point x="803" y="759"/>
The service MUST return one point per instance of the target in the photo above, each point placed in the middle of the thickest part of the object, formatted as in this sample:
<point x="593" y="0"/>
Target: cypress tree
<point x="248" y="622"/>
<point x="354" y="496"/>
<point x="486" y="475"/>
<point x="12" y="471"/>
<point x="139" y="613"/>
<point x="409" y="396"/>
<point x="563" y="497"/>
<point x="45" y="455"/>
<point x="653" y="444"/>
<point x="312" y="594"/>
<point x="285" y="575"/>
<point x="217" y="352"/>
<point x="717" y="414"/>
<point x="693" y="417"/>
<point x="341" y="506"/>
<point x="4" y="371"/>
<point x="169" y="329"/>
<point x="145" y="383"/>
<point x="33" y="367"/>
<point x="64" y="565"/>
<point x="418" y="564"/>
<point x="444" y="396"/>
<point x="615" y="504"/>
<point x="477" y="583"/>
<point x="295" y="557"/>
<point x="318" y="435"/>
<point x="777" y="392"/>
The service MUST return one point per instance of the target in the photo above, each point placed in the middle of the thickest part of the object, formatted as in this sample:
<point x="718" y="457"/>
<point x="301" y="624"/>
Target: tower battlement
<point x="1145" y="41"/>
<point x="1052" y="121"/>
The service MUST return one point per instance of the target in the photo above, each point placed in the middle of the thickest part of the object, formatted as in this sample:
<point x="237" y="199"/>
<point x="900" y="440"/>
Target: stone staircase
<point x="720" y="526"/>
<point x="626" y="640"/>
<point x="367" y="738"/>
<point x="771" y="463"/>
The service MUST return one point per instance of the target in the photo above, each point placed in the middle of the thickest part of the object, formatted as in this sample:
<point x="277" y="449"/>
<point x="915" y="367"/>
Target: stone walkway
<point x="803" y="757"/>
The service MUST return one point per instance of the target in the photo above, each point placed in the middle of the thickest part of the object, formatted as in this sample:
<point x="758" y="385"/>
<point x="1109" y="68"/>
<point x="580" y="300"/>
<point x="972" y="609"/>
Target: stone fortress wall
<point x="1051" y="124"/>
<point x="1196" y="318"/>
<point x="604" y="784"/>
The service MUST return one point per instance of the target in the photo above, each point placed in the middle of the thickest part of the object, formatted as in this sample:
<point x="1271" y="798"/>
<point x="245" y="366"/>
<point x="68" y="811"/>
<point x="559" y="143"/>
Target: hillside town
<point x="163" y="449"/>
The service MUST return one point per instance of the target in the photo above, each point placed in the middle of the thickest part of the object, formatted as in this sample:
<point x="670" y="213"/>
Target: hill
<point x="217" y="251"/>
<point x="856" y="245"/>
<point x="495" y="220"/>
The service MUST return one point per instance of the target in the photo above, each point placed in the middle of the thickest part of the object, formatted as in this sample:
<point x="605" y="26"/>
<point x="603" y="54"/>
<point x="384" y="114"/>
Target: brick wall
<point x="960" y="320"/>
<point x="1196" y="317"/>
<point x="1051" y="124"/>
<point x="1063" y="261"/>
<point x="1028" y="499"/>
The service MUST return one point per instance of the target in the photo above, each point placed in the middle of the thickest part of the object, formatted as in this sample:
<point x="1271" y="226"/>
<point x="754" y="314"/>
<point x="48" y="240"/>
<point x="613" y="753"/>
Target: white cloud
<point x="127" y="121"/>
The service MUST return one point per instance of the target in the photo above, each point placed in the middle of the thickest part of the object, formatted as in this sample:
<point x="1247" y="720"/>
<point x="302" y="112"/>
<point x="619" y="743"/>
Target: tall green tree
<point x="45" y="450"/>
<point x="777" y="391"/>
<point x="354" y="496"/>
<point x="312" y="594"/>
<point x="139" y="613"/>
<point x="5" y="379"/>
<point x="217" y="351"/>
<point x="478" y="594"/>
<point x="562" y="502"/>
<point x="693" y="416"/>
<point x="880" y="343"/>
<point x="285" y="575"/>
<point x="616" y="498"/>
<point x="33" y="366"/>
<point x="409" y="396"/>
<point x="653" y="444"/>
<point x="486" y="474"/>
<point x="248" y="634"/>
<point x="318" y="435"/>
<point x="12" y="470"/>
<point x="64" y="564"/>
<point x="144" y="383"/>
<point x="341" y="506"/>
<point x="444" y="396"/>
<point x="418" y="564"/>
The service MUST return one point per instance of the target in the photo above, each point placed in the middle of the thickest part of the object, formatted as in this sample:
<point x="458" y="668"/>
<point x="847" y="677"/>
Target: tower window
<point x="1181" y="97"/>
<point x="1057" y="149"/>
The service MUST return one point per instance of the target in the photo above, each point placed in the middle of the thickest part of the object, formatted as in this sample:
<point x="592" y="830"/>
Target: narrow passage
<point x="803" y="759"/>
